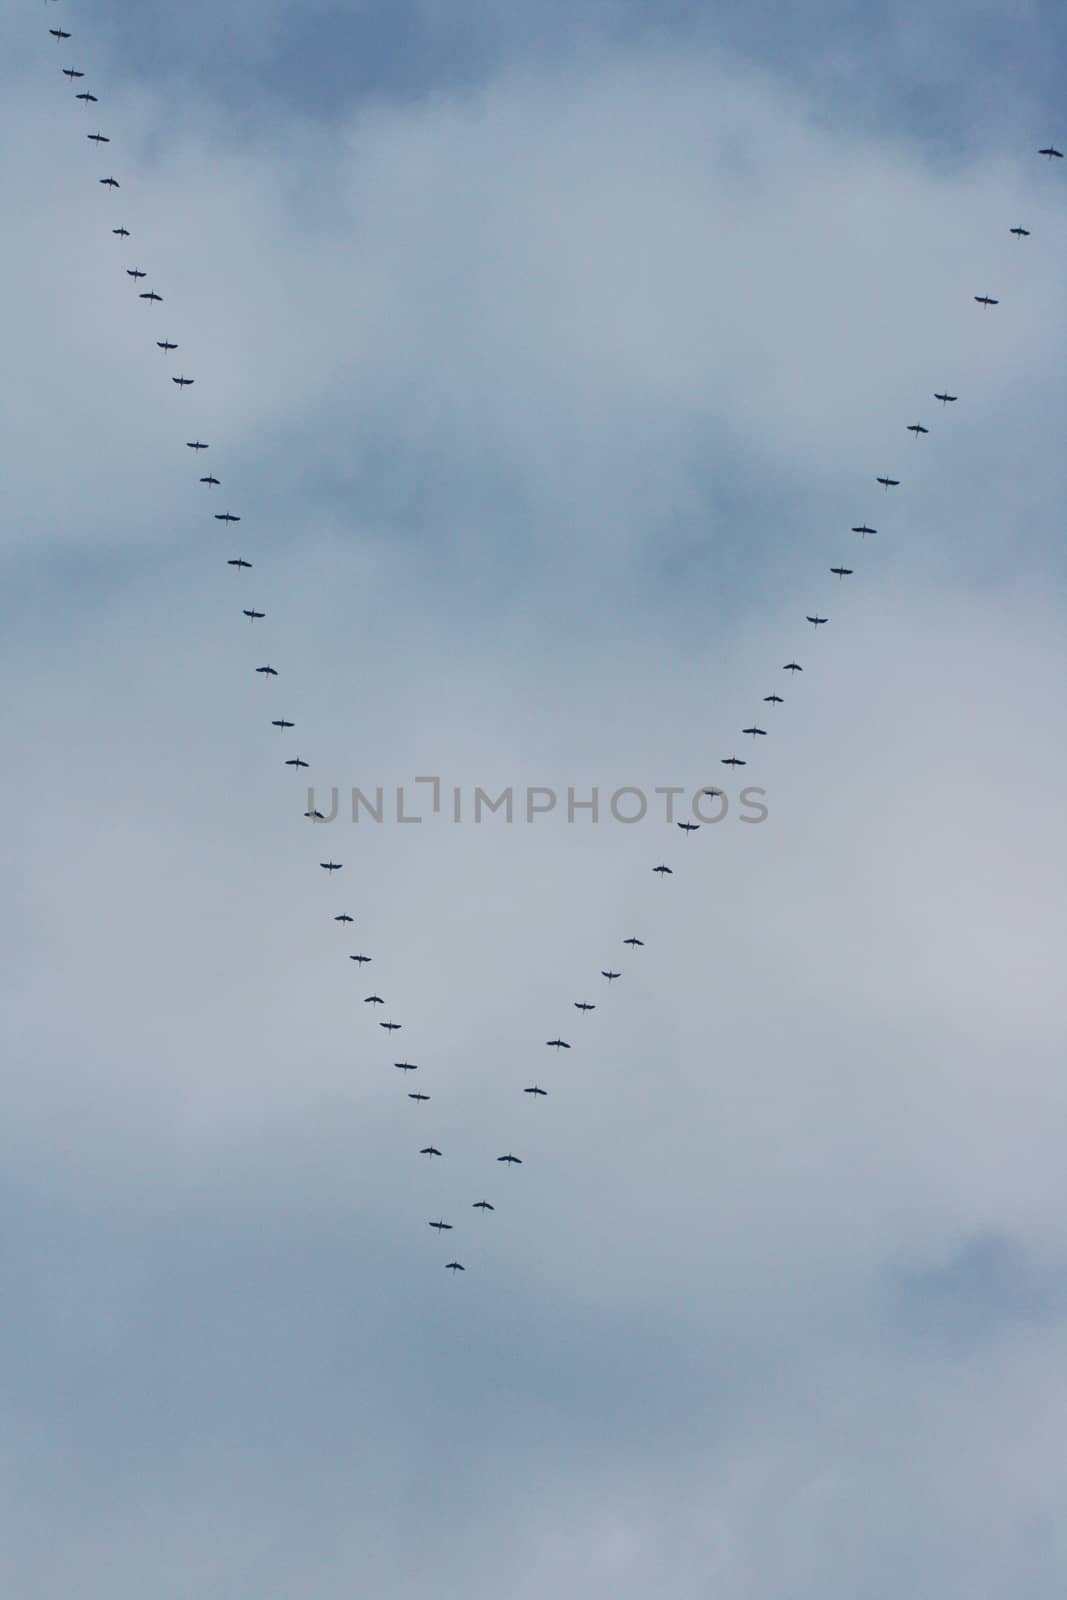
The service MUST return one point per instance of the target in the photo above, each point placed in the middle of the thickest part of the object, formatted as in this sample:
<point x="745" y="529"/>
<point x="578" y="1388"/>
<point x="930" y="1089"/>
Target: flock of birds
<point x="608" y="974"/>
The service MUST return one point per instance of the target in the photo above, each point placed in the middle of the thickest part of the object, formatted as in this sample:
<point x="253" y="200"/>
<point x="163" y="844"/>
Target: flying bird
<point x="818" y="621"/>
<point x="889" y="483"/>
<point x="102" y="138"/>
<point x="442" y="1227"/>
<point x="183" y="382"/>
<point x="72" y="73"/>
<point x="514" y="1161"/>
<point x="316" y="816"/>
<point x="583" y="1005"/>
<point x="863" y="529"/>
<point x="331" y="866"/>
<point x="295" y="761"/>
<point x="344" y="917"/>
<point x="150" y="294"/>
<point x="429" y="1150"/>
<point x="711" y="793"/>
<point x="754" y="731"/>
<point x="689" y="827"/>
<point x="373" y="1000"/>
<point x="361" y="959"/>
<point x="1020" y="233"/>
<point x="773" y="699"/>
<point x="280" y="722"/>
<point x="534" y="1090"/>
<point x="253" y="615"/>
<point x="841" y="572"/>
<point x="454" y="1266"/>
<point x="268" y="672"/>
<point x="986" y="300"/>
<point x="122" y="232"/>
<point x="58" y="33"/>
<point x="558" y="1044"/>
<point x="224" y="516"/>
<point x="87" y="97"/>
<point x="946" y="399"/>
<point x="792" y="666"/>
<point x="237" y="561"/>
<point x="666" y="872"/>
<point x="212" y="481"/>
<point x="635" y="943"/>
<point x="110" y="183"/>
<point x="916" y="428"/>
<point x="610" y="975"/>
<point x="1050" y="151"/>
<point x="414" y="1095"/>
<point x="734" y="761"/>
<point x="167" y="344"/>
<point x="393" y="1027"/>
<point x="482" y="1205"/>
<point x="195" y="444"/>
<point x="406" y="1066"/>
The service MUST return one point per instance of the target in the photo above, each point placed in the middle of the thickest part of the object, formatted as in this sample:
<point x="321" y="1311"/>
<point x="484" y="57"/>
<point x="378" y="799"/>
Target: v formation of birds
<point x="607" y="975"/>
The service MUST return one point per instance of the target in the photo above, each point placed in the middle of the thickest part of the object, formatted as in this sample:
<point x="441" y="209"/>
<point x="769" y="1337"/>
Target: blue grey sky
<point x="548" y="357"/>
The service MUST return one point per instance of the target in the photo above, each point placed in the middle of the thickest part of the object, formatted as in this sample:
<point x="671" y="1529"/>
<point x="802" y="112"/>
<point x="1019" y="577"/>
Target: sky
<point x="548" y="356"/>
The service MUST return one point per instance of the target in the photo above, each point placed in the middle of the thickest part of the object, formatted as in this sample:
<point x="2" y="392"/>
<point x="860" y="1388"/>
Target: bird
<point x="482" y="1205"/>
<point x="689" y="827"/>
<point x="331" y="866"/>
<point x="454" y="1266"/>
<point x="863" y="529"/>
<point x="295" y="761"/>
<point x="916" y="428"/>
<point x="167" y="344"/>
<point x="150" y="294"/>
<point x="98" y="138"/>
<point x="429" y="1150"/>
<point x="393" y="1027"/>
<point x="87" y="97"/>
<point x="611" y="976"/>
<point x="268" y="672"/>
<point x="123" y="233"/>
<point x="406" y="1066"/>
<point x="58" y="33"/>
<point x="774" y="699"/>
<point x="1050" y="151"/>
<point x="442" y="1227"/>
<point x="373" y="1000"/>
<point x="754" y="731"/>
<point x="635" y="943"/>
<point x="514" y="1161"/>
<point x="817" y="621"/>
<point x="183" y="382"/>
<point x="344" y="917"/>
<point x="535" y="1090"/>
<point x="196" y="444"/>
<point x="225" y="516"/>
<point x="889" y="483"/>
<point x="72" y="73"/>
<point x="414" y="1095"/>
<point x="792" y="666"/>
<point x="1020" y="233"/>
<point x="110" y="183"/>
<point x="986" y="300"/>
<point x="583" y="1005"/>
<point x="734" y="761"/>
<point x="946" y="399"/>
<point x="253" y="615"/>
<point x="842" y="572"/>
<point x="236" y="561"/>
<point x="280" y="722"/>
<point x="666" y="872"/>
<point x="316" y="816"/>
<point x="558" y="1044"/>
<point x="212" y="481"/>
<point x="363" y="960"/>
<point x="711" y="793"/>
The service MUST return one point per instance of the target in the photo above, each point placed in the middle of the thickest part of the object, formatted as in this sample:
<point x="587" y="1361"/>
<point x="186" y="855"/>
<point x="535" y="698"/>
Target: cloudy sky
<point x="548" y="355"/>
